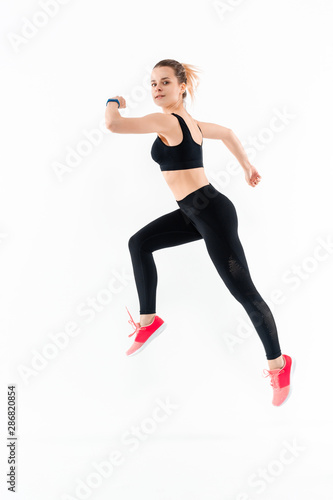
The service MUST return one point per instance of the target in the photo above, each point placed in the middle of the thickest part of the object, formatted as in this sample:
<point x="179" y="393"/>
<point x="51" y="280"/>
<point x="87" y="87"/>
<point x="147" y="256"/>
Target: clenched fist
<point x="251" y="176"/>
<point x="121" y="101"/>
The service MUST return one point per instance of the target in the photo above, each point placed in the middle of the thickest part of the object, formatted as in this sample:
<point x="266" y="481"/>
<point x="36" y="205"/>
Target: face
<point x="165" y="84"/>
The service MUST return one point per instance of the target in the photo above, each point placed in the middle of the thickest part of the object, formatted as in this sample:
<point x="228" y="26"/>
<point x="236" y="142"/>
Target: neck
<point x="174" y="109"/>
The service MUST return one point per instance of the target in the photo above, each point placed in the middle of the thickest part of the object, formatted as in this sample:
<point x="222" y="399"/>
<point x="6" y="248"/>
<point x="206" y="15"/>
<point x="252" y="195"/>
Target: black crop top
<point x="187" y="154"/>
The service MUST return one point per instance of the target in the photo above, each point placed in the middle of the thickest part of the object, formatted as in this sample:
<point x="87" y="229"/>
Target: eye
<point x="155" y="83"/>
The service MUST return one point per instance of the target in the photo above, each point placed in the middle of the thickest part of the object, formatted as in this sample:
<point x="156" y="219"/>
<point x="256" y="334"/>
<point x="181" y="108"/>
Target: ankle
<point x="277" y="365"/>
<point x="147" y="320"/>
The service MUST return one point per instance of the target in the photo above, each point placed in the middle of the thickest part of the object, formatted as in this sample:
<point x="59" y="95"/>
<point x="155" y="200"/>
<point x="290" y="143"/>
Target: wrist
<point x="113" y="99"/>
<point x="246" y="165"/>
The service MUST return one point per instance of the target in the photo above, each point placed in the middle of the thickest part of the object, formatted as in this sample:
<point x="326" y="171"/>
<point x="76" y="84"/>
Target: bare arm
<point x="234" y="145"/>
<point x="154" y="122"/>
<point x="214" y="131"/>
<point x="227" y="136"/>
<point x="111" y="113"/>
<point x="160" y="123"/>
<point x="252" y="176"/>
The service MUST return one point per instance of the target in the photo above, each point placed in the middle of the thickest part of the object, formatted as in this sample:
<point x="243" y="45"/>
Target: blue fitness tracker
<point x="115" y="100"/>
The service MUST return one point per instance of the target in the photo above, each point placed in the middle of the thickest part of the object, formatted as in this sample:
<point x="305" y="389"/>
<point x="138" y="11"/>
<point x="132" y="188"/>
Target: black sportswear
<point x="205" y="214"/>
<point x="187" y="154"/>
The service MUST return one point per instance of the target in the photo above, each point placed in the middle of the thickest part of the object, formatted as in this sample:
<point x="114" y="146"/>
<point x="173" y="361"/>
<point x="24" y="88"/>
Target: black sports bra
<point x="187" y="154"/>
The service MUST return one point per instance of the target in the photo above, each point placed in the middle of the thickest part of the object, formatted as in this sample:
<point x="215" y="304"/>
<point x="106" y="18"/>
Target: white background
<point x="64" y="237"/>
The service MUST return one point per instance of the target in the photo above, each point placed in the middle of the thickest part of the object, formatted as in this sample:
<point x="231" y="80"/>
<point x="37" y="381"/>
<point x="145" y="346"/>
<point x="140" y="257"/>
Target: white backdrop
<point x="191" y="417"/>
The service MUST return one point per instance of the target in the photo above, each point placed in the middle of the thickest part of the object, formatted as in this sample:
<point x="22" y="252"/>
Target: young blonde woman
<point x="203" y="213"/>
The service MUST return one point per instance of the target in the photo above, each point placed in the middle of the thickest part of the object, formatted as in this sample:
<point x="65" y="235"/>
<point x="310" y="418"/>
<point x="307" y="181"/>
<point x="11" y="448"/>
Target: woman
<point x="203" y="213"/>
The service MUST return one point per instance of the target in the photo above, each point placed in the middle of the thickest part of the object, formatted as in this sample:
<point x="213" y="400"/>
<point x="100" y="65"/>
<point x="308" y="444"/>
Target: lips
<point x="158" y="96"/>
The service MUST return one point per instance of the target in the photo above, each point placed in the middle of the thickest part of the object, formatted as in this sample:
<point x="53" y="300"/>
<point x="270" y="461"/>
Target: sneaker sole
<point x="152" y="337"/>
<point x="293" y="364"/>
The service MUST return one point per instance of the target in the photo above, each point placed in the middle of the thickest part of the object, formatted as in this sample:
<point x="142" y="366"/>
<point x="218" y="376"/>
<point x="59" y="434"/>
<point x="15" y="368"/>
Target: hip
<point x="209" y="206"/>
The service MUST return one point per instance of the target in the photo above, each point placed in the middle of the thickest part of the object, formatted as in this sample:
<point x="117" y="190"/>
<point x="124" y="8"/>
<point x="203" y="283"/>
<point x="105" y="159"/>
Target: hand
<point x="251" y="176"/>
<point x="121" y="101"/>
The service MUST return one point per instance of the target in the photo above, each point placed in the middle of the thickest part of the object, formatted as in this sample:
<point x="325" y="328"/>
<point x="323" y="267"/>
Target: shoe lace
<point x="274" y="382"/>
<point x="136" y="326"/>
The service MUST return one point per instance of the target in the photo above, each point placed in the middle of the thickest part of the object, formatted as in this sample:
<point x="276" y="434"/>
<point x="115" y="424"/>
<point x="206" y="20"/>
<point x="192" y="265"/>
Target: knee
<point x="135" y="242"/>
<point x="132" y="243"/>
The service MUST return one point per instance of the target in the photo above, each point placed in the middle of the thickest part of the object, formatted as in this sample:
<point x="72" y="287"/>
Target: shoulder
<point x="162" y="122"/>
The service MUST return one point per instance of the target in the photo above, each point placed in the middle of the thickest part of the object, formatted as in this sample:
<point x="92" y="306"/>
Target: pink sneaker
<point x="144" y="334"/>
<point x="281" y="380"/>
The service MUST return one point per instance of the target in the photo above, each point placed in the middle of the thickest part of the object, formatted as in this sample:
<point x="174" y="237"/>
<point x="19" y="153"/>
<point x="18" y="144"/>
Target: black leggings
<point x="205" y="213"/>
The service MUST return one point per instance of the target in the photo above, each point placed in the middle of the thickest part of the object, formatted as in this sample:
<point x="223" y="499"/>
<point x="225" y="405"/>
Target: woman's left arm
<point x="234" y="145"/>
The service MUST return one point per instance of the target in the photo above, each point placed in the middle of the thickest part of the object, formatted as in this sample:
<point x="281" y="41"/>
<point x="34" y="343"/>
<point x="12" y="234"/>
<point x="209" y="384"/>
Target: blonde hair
<point x="185" y="73"/>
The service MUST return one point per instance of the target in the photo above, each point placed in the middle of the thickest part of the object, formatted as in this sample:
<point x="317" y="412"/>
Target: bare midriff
<point x="184" y="182"/>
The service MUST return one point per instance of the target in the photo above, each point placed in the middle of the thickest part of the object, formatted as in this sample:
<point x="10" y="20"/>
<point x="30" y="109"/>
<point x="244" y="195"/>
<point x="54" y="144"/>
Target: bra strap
<point x="183" y="126"/>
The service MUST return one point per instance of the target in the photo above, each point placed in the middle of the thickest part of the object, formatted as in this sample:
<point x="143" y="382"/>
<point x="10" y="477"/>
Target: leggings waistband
<point x="199" y="197"/>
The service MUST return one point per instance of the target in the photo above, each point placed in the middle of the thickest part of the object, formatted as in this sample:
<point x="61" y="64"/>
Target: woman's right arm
<point x="159" y="123"/>
<point x="154" y="122"/>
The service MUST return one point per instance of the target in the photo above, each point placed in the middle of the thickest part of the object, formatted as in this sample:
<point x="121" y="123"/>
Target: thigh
<point x="171" y="229"/>
<point x="217" y="221"/>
